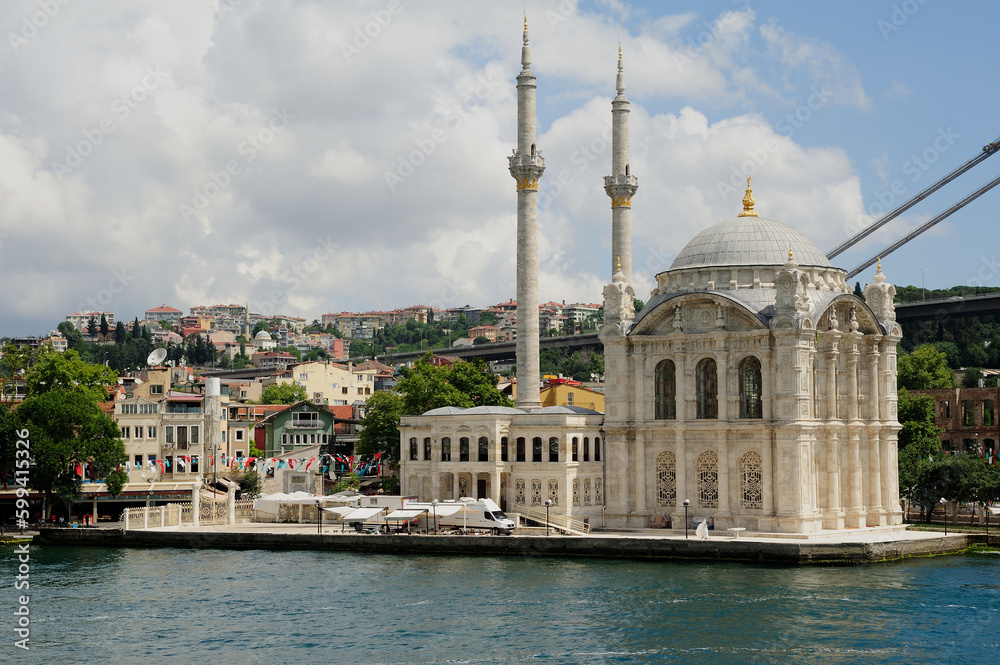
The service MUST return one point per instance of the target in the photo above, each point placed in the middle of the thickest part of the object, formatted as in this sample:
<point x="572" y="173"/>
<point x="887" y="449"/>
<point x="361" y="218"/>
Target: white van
<point x="467" y="513"/>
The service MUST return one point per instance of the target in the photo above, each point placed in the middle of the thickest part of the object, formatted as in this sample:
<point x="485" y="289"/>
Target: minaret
<point x="526" y="166"/>
<point x="621" y="184"/>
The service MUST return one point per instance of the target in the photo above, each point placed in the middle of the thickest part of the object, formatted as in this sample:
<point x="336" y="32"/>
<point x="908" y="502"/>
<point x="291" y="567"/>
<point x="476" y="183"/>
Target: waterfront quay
<point x="834" y="548"/>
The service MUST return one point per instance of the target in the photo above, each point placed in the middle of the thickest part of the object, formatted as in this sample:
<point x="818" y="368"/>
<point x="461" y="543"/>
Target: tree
<point x="857" y="290"/>
<point x="283" y="393"/>
<point x="74" y="338"/>
<point x="480" y="340"/>
<point x="8" y="443"/>
<point x="120" y="333"/>
<point x="361" y="348"/>
<point x="67" y="371"/>
<point x="924" y="369"/>
<point x="918" y="444"/>
<point x="91" y="326"/>
<point x="68" y="428"/>
<point x="105" y="329"/>
<point x="380" y="427"/>
<point x="250" y="485"/>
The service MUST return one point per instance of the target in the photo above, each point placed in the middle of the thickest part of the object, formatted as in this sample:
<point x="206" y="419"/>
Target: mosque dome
<point x="748" y="241"/>
<point x="263" y="334"/>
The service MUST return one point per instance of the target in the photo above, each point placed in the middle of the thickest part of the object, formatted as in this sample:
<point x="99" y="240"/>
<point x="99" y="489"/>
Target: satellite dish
<point x="143" y="475"/>
<point x="156" y="357"/>
<point x="121" y="381"/>
<point x="138" y="380"/>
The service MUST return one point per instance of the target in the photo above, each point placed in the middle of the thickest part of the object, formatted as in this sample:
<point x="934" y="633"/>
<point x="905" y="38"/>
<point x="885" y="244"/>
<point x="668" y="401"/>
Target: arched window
<point x="413" y="448"/>
<point x="554" y="449"/>
<point x="484" y="449"/>
<point x="750" y="389"/>
<point x="586" y="449"/>
<point x="666" y="479"/>
<point x="536" y="449"/>
<point x="445" y="449"/>
<point x="519" y="491"/>
<point x="503" y="449"/>
<point x="554" y="491"/>
<point x="751" y="481"/>
<point x="666" y="390"/>
<point x="463" y="450"/>
<point x="707" y="389"/>
<point x="427" y="449"/>
<point x="708" y="479"/>
<point x="576" y="449"/>
<point x="520" y="449"/>
<point x="536" y="492"/>
<point x="597" y="449"/>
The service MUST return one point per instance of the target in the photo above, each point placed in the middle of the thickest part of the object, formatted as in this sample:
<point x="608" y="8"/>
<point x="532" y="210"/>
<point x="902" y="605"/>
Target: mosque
<point x="753" y="386"/>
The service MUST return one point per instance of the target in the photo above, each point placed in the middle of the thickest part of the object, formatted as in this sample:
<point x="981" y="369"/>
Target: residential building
<point x="80" y="319"/>
<point x="967" y="418"/>
<point x="164" y="313"/>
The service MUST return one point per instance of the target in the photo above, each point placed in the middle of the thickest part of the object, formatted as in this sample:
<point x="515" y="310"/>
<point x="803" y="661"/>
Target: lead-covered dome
<point x="748" y="241"/>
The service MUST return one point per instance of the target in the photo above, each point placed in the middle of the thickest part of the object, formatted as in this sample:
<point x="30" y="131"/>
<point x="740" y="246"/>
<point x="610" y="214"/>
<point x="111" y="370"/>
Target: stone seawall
<point x="617" y="547"/>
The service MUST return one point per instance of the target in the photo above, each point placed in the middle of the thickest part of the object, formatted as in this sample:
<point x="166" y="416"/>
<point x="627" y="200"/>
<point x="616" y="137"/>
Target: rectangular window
<point x="138" y="461"/>
<point x="484" y="449"/>
<point x="151" y="458"/>
<point x="170" y="434"/>
<point x="968" y="415"/>
<point x="463" y="449"/>
<point x="520" y="449"/>
<point x="361" y="391"/>
<point x="303" y="376"/>
<point x="945" y="409"/>
<point x="194" y="464"/>
<point x="125" y="432"/>
<point x="284" y="439"/>
<point x="194" y="434"/>
<point x="156" y="390"/>
<point x="151" y="432"/>
<point x="445" y="449"/>
<point x="989" y="417"/>
<point x="223" y="436"/>
<point x="239" y="435"/>
<point x="239" y="453"/>
<point x="503" y="449"/>
<point x="569" y="399"/>
<point x="343" y="390"/>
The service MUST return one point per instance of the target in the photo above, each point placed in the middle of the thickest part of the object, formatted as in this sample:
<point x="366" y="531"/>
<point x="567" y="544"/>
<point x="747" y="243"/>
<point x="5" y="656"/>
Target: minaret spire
<point x="621" y="185"/>
<point x="526" y="166"/>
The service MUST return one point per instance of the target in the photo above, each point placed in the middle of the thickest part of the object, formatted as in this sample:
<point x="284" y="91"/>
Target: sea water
<point x="109" y="606"/>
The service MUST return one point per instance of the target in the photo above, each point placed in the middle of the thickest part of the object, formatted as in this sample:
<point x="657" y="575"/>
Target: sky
<point x="308" y="157"/>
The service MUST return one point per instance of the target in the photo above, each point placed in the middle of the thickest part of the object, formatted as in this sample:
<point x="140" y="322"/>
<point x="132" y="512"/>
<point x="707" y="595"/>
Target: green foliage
<point x="924" y="369"/>
<point x="858" y="291"/>
<point x="8" y="443"/>
<point x="638" y="304"/>
<point x="480" y="340"/>
<point x="971" y="378"/>
<point x="250" y="484"/>
<point x="464" y="384"/>
<point x="67" y="427"/>
<point x="380" y="427"/>
<point x="576" y="364"/>
<point x="67" y="371"/>
<point x="115" y="482"/>
<point x="255" y="451"/>
<point x="918" y="442"/>
<point x="283" y="393"/>
<point x="350" y="482"/>
<point x="361" y="348"/>
<point x="391" y="485"/>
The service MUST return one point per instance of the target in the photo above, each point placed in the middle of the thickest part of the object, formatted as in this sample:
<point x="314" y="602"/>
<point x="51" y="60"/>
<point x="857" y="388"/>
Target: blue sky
<point x="276" y="154"/>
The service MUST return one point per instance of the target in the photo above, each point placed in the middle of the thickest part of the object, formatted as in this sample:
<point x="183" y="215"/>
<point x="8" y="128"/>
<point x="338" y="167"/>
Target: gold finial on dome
<point x="790" y="257"/>
<point x="748" y="203"/>
<point x="619" y="50"/>
<point x="619" y="263"/>
<point x="878" y="268"/>
<point x="525" y="21"/>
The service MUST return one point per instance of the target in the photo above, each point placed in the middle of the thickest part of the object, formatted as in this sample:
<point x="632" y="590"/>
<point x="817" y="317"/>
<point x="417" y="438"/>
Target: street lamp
<point x="923" y="271"/>
<point x="434" y="507"/>
<point x="687" y="502"/>
<point x="944" y="505"/>
<point x="548" y="504"/>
